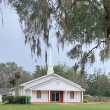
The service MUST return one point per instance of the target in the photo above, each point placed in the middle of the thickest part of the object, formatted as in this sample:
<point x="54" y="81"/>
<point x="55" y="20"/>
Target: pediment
<point x="52" y="82"/>
<point x="55" y="85"/>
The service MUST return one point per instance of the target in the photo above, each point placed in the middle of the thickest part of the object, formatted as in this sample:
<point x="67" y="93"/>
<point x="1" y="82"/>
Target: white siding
<point x="13" y="92"/>
<point x="52" y="83"/>
<point x="21" y="91"/>
<point x="77" y="97"/>
<point x="66" y="96"/>
<point x="44" y="96"/>
<point x="56" y="85"/>
<point x="0" y="98"/>
<point x="34" y="83"/>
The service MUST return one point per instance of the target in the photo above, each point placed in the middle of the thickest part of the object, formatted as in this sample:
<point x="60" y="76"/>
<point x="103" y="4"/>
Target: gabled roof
<point x="59" y="86"/>
<point x="5" y="91"/>
<point x="24" y="84"/>
<point x="56" y="76"/>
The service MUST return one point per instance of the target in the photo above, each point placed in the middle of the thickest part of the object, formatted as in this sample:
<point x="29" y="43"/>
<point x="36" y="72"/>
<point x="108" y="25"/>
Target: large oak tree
<point x="79" y="22"/>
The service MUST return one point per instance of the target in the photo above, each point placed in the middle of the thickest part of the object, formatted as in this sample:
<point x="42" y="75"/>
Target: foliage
<point x="39" y="71"/>
<point x="34" y="17"/>
<point x="16" y="99"/>
<point x="7" y="73"/>
<point x="9" y="99"/>
<point x="96" y="84"/>
<point x="79" y="22"/>
<point x="85" y="101"/>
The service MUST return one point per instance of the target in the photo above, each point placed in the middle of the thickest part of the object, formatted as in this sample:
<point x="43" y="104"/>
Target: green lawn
<point x="89" y="106"/>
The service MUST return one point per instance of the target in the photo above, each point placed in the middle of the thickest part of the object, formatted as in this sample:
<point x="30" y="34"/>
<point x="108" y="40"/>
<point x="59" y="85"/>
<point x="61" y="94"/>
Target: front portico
<point x="56" y="96"/>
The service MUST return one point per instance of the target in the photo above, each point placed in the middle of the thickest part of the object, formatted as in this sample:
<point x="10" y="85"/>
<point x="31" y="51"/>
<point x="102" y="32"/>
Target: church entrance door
<point x="55" y="96"/>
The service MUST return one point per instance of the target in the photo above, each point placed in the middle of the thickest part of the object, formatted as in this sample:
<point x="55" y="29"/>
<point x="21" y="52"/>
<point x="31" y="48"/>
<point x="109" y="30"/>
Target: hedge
<point x="16" y="99"/>
<point x="85" y="101"/>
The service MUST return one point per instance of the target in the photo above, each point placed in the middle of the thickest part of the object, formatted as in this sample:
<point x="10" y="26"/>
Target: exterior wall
<point x="0" y="98"/>
<point x="50" y="83"/>
<point x="13" y="92"/>
<point x="64" y="96"/>
<point x="77" y="97"/>
<point x="58" y="85"/>
<point x="44" y="96"/>
<point x="20" y="91"/>
<point x="28" y="93"/>
<point x="36" y="82"/>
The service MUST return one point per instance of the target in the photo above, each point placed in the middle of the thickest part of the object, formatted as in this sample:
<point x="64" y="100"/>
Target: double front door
<point x="55" y="96"/>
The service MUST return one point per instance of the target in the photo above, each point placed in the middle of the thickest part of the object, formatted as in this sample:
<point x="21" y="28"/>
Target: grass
<point x="89" y="106"/>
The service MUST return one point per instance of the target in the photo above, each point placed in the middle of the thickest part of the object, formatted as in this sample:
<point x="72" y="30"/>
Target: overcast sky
<point x="13" y="48"/>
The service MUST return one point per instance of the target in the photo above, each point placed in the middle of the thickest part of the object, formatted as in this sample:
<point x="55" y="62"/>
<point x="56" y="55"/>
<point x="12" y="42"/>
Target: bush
<point x="85" y="101"/>
<point x="7" y="99"/>
<point x="16" y="99"/>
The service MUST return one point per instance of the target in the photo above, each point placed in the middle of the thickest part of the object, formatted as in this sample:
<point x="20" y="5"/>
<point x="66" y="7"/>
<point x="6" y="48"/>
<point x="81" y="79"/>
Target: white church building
<point x="51" y="88"/>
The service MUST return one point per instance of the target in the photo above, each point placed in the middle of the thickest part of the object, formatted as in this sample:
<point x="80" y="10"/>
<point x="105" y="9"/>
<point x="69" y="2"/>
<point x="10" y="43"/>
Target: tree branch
<point x="94" y="48"/>
<point x="84" y="59"/>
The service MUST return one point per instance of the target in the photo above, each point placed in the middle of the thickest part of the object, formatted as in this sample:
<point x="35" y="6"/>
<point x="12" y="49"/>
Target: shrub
<point x="85" y="101"/>
<point x="16" y="99"/>
<point x="7" y="99"/>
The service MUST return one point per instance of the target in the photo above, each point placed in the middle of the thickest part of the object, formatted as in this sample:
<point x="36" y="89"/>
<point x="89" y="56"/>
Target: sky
<point x="13" y="48"/>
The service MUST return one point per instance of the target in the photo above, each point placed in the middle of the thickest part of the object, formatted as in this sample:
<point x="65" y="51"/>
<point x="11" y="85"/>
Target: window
<point x="38" y="94"/>
<point x="72" y="95"/>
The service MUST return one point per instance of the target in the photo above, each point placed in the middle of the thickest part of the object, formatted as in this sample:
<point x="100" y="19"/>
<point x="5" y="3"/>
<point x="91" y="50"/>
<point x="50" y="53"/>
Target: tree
<point x="98" y="84"/>
<point x="39" y="71"/>
<point x="79" y="22"/>
<point x="3" y="75"/>
<point x="17" y="77"/>
<point x="61" y="69"/>
<point x="7" y="74"/>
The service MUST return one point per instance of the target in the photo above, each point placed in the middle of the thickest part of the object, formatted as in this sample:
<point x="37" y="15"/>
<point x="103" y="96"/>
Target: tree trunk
<point x="17" y="87"/>
<point x="106" y="4"/>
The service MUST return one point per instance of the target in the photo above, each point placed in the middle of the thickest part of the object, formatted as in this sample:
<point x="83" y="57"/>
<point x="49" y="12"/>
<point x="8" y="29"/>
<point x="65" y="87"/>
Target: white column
<point x="49" y="96"/>
<point x="31" y="95"/>
<point x="65" y="96"/>
<point x="82" y="96"/>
